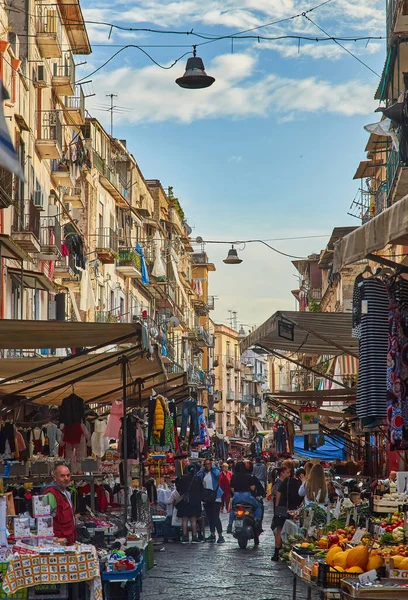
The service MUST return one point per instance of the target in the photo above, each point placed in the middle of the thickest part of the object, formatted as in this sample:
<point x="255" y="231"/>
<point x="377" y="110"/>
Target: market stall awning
<point x="33" y="279"/>
<point x="9" y="249"/>
<point x="28" y="335"/>
<point x="318" y="396"/>
<point x="92" y="376"/>
<point x="313" y="333"/>
<point x="330" y="450"/>
<point x="389" y="227"/>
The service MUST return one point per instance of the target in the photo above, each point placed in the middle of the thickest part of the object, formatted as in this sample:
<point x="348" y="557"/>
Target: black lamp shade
<point x="195" y="78"/>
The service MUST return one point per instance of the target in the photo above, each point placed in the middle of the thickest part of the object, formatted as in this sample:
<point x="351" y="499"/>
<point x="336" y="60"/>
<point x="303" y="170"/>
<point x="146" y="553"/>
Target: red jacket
<point x="64" y="520"/>
<point x="225" y="479"/>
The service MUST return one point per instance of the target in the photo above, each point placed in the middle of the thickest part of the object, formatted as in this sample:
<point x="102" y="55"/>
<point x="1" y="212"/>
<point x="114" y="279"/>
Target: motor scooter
<point x="245" y="526"/>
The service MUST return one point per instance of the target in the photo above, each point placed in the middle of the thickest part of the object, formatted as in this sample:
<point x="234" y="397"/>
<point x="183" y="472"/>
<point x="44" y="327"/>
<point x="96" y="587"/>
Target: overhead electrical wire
<point x="343" y="47"/>
<point x="211" y="38"/>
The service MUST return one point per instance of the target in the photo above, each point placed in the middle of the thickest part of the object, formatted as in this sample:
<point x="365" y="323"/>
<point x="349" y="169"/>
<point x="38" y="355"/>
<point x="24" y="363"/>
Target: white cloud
<point x="235" y="159"/>
<point x="154" y="96"/>
<point x="320" y="50"/>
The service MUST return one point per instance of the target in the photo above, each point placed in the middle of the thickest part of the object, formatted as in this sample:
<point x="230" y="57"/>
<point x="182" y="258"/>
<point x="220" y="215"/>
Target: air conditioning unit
<point x="68" y="207"/>
<point x="38" y="199"/>
<point x="41" y="79"/>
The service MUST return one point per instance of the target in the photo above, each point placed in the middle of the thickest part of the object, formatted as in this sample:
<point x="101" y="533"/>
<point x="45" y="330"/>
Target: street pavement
<point x="203" y="571"/>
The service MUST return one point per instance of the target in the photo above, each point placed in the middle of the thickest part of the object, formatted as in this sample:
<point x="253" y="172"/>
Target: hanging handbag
<point x="282" y="511"/>
<point x="186" y="496"/>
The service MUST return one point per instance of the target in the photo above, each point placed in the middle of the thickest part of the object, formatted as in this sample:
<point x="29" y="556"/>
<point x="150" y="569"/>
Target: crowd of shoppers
<point x="207" y="489"/>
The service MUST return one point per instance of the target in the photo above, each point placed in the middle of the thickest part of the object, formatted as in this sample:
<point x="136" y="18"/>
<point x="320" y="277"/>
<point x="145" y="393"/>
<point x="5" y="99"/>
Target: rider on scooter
<point x="242" y="484"/>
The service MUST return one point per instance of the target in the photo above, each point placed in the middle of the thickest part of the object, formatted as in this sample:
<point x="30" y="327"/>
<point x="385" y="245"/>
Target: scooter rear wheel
<point x="242" y="542"/>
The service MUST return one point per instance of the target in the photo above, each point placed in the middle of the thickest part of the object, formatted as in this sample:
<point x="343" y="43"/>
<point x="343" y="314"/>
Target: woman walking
<point x="225" y="485"/>
<point x="212" y="495"/>
<point x="190" y="488"/>
<point x="287" y="498"/>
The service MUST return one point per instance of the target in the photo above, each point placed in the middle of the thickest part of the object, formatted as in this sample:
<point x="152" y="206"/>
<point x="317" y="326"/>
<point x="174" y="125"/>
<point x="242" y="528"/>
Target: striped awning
<point x="348" y="365"/>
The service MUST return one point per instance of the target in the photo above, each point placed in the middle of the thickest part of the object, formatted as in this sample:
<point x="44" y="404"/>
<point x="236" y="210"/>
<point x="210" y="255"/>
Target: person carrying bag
<point x="190" y="488"/>
<point x="212" y="494"/>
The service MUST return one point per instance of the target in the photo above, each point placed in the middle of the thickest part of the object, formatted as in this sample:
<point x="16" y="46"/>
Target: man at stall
<point x="60" y="502"/>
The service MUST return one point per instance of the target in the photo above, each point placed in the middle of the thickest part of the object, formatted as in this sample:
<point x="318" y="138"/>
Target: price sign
<point x="369" y="577"/>
<point x="358" y="536"/>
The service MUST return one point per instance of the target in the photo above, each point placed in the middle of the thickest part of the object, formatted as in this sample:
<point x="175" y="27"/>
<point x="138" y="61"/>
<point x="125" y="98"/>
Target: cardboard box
<point x="41" y="508"/>
<point x="21" y="528"/>
<point x="45" y="528"/>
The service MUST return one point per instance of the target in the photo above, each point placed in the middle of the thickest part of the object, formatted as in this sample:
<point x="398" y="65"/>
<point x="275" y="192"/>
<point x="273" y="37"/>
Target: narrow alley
<point x="225" y="571"/>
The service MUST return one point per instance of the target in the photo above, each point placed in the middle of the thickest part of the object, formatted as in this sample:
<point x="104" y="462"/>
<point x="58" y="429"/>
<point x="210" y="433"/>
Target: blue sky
<point x="269" y="151"/>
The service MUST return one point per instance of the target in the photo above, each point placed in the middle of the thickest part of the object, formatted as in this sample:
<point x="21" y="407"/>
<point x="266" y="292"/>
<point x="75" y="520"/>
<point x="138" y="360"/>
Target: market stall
<point x="353" y="548"/>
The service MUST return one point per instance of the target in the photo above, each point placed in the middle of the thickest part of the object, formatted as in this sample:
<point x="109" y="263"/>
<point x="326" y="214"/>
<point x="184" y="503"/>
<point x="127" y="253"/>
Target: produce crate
<point x="327" y="578"/>
<point x="369" y="592"/>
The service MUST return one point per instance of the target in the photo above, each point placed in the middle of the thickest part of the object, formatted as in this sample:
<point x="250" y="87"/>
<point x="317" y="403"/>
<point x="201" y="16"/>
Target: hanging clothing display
<point x="290" y="435"/>
<point x="397" y="364"/>
<point x="280" y="437"/>
<point x="189" y="410"/>
<point x="99" y="441"/>
<point x="114" y="424"/>
<point x="370" y="321"/>
<point x="72" y="410"/>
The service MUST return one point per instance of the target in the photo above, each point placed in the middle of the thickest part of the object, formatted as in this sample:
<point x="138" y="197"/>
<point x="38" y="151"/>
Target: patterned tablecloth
<point x="27" y="570"/>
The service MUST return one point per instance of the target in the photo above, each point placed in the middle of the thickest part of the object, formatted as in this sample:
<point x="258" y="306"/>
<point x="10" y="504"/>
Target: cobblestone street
<point x="200" y="572"/>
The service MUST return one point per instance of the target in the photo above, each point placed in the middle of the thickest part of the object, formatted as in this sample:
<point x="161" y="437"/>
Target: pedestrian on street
<point x="242" y="486"/>
<point x="260" y="471"/>
<point x="225" y="485"/>
<point x="287" y="499"/>
<point x="190" y="488"/>
<point x="212" y="494"/>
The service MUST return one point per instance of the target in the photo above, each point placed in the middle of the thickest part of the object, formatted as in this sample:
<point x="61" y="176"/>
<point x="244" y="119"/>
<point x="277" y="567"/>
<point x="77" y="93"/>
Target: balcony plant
<point x="129" y="258"/>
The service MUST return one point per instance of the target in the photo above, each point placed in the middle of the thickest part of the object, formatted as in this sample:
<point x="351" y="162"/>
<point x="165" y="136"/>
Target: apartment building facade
<point x="86" y="236"/>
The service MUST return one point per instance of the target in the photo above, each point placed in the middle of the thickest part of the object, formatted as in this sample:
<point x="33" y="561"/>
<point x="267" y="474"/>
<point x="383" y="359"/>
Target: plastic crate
<point x="149" y="556"/>
<point x="58" y="591"/>
<point x="124" y="590"/>
<point x="327" y="577"/>
<point x="114" y="576"/>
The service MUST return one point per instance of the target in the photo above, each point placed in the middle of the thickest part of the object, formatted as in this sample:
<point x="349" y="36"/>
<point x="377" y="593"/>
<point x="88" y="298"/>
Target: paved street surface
<point x="203" y="571"/>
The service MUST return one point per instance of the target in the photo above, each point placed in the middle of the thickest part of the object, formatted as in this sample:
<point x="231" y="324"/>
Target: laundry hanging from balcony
<point x="159" y="270"/>
<point x="145" y="273"/>
<point x="87" y="294"/>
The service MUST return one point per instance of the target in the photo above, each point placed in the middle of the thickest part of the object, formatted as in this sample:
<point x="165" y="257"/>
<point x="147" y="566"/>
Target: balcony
<point x="211" y="302"/>
<point x="200" y="337"/>
<point x="397" y="19"/>
<point x="230" y="362"/>
<point x="48" y="32"/>
<point x="73" y="195"/>
<point x="106" y="245"/>
<point x="109" y="316"/>
<point x="259" y="378"/>
<point x="196" y="377"/>
<point x="247" y="399"/>
<point x="50" y="238"/>
<point x="61" y="173"/>
<point x="75" y="107"/>
<point x="6" y="188"/>
<point x="230" y="395"/>
<point x="129" y="263"/>
<point x="65" y="268"/>
<point x="110" y="179"/>
<point x="63" y="78"/>
<point x="26" y="227"/>
<point x="49" y="135"/>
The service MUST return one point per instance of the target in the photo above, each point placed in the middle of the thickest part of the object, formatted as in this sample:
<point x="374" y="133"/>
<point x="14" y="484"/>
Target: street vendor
<point x="60" y="502"/>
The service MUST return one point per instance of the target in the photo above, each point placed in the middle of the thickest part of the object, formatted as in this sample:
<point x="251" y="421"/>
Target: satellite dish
<point x="199" y="240"/>
<point x="174" y="321"/>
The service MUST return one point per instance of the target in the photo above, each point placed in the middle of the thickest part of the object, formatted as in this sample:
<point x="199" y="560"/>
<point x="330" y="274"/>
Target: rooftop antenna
<point x="111" y="96"/>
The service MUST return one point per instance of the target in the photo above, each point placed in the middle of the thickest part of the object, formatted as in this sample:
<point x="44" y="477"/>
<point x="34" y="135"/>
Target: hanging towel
<point x="145" y="274"/>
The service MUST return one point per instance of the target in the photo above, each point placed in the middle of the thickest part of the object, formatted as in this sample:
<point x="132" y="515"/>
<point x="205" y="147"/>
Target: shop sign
<point x="310" y="419"/>
<point x="286" y="330"/>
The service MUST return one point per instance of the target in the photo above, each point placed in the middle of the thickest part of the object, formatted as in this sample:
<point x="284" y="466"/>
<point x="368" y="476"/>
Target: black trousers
<point x="212" y="510"/>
